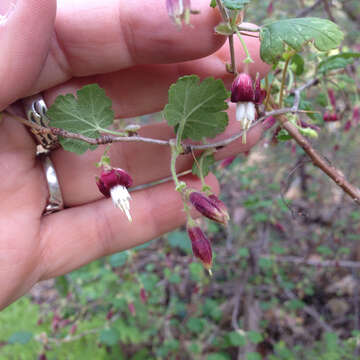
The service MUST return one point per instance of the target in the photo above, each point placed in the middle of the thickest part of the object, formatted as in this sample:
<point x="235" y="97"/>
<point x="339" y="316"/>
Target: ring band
<point x="55" y="201"/>
<point x="35" y="109"/>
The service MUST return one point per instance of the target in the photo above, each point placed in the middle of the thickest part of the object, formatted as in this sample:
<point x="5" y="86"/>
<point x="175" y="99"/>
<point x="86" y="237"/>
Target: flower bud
<point x="347" y="126"/>
<point x="330" y="117"/>
<point x="332" y="98"/>
<point x="143" y="295"/>
<point x="220" y="205"/>
<point x="131" y="308"/>
<point x="356" y="115"/>
<point x="208" y="207"/>
<point x="113" y="183"/>
<point x="227" y="162"/>
<point x="200" y="245"/>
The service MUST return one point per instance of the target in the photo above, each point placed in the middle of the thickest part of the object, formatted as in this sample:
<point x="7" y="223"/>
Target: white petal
<point x="250" y="111"/>
<point x="121" y="199"/>
<point x="240" y="111"/>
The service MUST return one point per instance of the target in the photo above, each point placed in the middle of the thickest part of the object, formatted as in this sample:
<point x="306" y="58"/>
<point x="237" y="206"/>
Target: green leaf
<point x="109" y="336"/>
<point x="62" y="285"/>
<point x="254" y="337"/>
<point x="206" y="163"/>
<point x="196" y="109"/>
<point x="297" y="64"/>
<point x="236" y="339"/>
<point x="253" y="356"/>
<point x="88" y="114"/>
<point x="295" y="33"/>
<point x="179" y="239"/>
<point x="337" y="62"/>
<point x="118" y="259"/>
<point x="213" y="3"/>
<point x="283" y="135"/>
<point x="195" y="325"/>
<point x="224" y="29"/>
<point x="20" y="337"/>
<point x="235" y="4"/>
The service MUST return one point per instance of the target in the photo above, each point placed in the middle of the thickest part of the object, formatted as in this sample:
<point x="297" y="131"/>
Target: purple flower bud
<point x="242" y="89"/>
<point x="114" y="183"/>
<point x="200" y="245"/>
<point x="178" y="10"/>
<point x="227" y="162"/>
<point x="330" y="117"/>
<point x="356" y="114"/>
<point x="332" y="98"/>
<point x="131" y="308"/>
<point x="208" y="207"/>
<point x="220" y="205"/>
<point x="347" y="126"/>
<point x="143" y="295"/>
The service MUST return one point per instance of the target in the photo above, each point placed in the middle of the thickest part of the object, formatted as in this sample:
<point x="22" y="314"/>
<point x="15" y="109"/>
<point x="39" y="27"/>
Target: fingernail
<point x="6" y="9"/>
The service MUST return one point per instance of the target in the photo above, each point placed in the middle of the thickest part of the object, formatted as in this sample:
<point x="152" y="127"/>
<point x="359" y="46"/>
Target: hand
<point x="113" y="44"/>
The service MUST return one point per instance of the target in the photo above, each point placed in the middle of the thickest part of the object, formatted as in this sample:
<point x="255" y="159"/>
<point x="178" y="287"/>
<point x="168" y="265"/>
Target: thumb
<point x="26" y="27"/>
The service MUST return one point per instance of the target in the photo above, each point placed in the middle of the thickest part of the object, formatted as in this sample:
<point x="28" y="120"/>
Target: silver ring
<point x="55" y="201"/>
<point x="35" y="109"/>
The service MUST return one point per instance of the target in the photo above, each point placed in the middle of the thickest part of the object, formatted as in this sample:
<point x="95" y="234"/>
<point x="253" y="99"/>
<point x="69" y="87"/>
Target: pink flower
<point x="200" y="245"/>
<point x="347" y="126"/>
<point x="332" y="98"/>
<point x="227" y="162"/>
<point x="356" y="114"/>
<point x="143" y="295"/>
<point x="131" y="308"/>
<point x="246" y="93"/>
<point x="114" y="183"/>
<point x="209" y="207"/>
<point x="330" y="117"/>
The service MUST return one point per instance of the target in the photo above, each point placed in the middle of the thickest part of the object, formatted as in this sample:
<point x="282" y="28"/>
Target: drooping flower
<point x="201" y="245"/>
<point x="179" y="11"/>
<point x="246" y="93"/>
<point x="332" y="98"/>
<point x="113" y="182"/>
<point x="212" y="209"/>
<point x="330" y="117"/>
<point x="143" y="295"/>
<point x="356" y="115"/>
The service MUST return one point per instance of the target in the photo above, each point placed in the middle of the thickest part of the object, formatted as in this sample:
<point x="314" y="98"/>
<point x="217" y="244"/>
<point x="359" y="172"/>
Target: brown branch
<point x="330" y="170"/>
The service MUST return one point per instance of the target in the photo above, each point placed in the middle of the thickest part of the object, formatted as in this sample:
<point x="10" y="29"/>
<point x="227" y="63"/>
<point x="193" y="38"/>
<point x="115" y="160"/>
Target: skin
<point x="56" y="51"/>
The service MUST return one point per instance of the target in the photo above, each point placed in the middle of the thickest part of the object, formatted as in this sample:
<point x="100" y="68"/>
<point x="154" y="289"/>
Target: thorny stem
<point x="174" y="155"/>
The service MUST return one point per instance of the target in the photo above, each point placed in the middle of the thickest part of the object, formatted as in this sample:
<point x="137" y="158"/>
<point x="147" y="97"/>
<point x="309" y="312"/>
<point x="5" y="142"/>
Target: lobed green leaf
<point x="88" y="114"/>
<point x="295" y="33"/>
<point x="197" y="108"/>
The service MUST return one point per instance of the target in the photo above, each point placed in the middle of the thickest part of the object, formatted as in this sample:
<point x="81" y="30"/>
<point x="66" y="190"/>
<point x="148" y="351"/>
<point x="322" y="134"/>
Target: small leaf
<point x="196" y="108"/>
<point x="88" y="115"/>
<point x="296" y="33"/>
<point x="62" y="285"/>
<point x="297" y="64"/>
<point x="109" y="337"/>
<point x="254" y="337"/>
<point x="224" y="29"/>
<point x="118" y="259"/>
<point x="235" y="4"/>
<point x="20" y="337"/>
<point x="283" y="135"/>
<point x="206" y="163"/>
<point x="337" y="62"/>
<point x="213" y="3"/>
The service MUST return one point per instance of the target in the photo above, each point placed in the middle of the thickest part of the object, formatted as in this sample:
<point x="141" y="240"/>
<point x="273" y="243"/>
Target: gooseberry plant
<point x="196" y="109"/>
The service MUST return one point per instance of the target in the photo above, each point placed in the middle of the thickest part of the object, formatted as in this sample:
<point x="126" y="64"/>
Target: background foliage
<point x="286" y="279"/>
